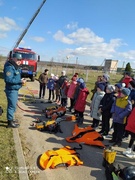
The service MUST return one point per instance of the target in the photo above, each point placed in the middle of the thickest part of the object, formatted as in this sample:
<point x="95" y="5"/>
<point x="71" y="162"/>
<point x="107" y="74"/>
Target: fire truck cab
<point x="28" y="63"/>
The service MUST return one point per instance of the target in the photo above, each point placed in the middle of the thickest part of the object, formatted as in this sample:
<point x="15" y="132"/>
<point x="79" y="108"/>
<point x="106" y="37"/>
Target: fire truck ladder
<point x="26" y="29"/>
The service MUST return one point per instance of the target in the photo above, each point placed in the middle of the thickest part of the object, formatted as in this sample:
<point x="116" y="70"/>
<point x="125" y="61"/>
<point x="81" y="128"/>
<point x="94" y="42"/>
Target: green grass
<point x="7" y="148"/>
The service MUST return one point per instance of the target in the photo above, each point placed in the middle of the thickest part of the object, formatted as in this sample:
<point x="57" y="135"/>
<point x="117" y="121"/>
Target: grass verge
<point x="8" y="159"/>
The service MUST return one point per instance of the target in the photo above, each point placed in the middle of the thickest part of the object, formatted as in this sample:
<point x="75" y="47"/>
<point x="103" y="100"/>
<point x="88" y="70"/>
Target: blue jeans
<point x="12" y="97"/>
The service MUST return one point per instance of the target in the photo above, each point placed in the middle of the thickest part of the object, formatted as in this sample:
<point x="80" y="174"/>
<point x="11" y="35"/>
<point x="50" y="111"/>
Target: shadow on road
<point x="92" y="156"/>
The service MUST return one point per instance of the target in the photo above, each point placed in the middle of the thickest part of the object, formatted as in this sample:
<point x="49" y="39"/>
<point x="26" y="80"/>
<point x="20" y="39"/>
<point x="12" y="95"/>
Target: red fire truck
<point x="29" y="58"/>
<point x="28" y="63"/>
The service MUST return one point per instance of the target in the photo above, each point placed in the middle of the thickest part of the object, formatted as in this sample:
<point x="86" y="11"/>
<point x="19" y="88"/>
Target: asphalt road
<point x="35" y="143"/>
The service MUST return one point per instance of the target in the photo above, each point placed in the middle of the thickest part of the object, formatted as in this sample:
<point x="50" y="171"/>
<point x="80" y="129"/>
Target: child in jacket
<point x="71" y="92"/>
<point x="105" y="109"/>
<point x="50" y="86"/>
<point x="120" y="110"/>
<point x="94" y="107"/>
<point x="81" y="103"/>
<point x="64" y="91"/>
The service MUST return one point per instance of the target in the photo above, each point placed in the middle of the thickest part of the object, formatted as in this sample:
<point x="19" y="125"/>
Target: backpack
<point x="63" y="157"/>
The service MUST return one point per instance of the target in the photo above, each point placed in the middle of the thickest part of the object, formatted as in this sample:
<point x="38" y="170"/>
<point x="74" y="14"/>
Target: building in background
<point x="110" y="65"/>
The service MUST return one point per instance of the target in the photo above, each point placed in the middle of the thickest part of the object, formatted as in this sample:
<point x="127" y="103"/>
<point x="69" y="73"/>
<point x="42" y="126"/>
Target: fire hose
<point x="29" y="111"/>
<point x="27" y="91"/>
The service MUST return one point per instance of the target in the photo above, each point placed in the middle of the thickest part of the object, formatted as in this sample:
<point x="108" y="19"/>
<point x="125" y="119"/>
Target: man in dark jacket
<point x="62" y="78"/>
<point x="13" y="81"/>
<point x="43" y="79"/>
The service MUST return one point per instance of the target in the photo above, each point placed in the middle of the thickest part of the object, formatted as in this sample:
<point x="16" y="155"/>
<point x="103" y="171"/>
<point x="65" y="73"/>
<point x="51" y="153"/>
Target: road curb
<point x="22" y="168"/>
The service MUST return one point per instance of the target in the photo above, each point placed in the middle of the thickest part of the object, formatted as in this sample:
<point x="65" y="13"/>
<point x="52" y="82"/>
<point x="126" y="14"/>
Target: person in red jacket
<point x="71" y="92"/>
<point x="130" y="127"/>
<point x="81" y="103"/>
<point x="127" y="79"/>
<point x="64" y="91"/>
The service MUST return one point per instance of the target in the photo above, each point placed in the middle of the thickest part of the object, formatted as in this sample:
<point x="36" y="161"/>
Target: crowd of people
<point x="61" y="88"/>
<point x="116" y="102"/>
<point x="107" y="101"/>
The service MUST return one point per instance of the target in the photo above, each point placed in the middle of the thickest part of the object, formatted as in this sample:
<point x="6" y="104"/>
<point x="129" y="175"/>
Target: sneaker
<point x="104" y="133"/>
<point x="12" y="124"/>
<point x="128" y="151"/>
<point x="16" y="121"/>
<point x="79" y="123"/>
<point x="100" y="124"/>
<point x="109" y="136"/>
<point x="94" y="126"/>
<point x="117" y="144"/>
<point x="100" y="132"/>
<point x="58" y="103"/>
<point x="131" y="155"/>
<point x="111" y="141"/>
<point x="125" y="139"/>
<point x="111" y="130"/>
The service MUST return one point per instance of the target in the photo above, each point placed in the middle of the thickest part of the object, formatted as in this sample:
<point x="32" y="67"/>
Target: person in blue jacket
<point x="13" y="83"/>
<point x="50" y="86"/>
<point x="120" y="110"/>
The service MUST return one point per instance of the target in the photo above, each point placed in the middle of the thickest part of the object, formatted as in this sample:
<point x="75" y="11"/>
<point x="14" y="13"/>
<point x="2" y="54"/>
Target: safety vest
<point x="86" y="135"/>
<point x="63" y="157"/>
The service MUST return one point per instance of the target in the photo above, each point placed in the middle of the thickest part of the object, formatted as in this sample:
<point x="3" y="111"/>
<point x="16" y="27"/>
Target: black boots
<point x="12" y="124"/>
<point x="80" y="120"/>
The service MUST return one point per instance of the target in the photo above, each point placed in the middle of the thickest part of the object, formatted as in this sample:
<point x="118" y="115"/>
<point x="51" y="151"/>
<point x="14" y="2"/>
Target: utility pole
<point x="123" y="65"/>
<point x="76" y="60"/>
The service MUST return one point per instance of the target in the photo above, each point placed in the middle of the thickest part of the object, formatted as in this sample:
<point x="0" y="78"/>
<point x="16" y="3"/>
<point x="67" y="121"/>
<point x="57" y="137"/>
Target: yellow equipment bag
<point x="63" y="157"/>
<point x="109" y="155"/>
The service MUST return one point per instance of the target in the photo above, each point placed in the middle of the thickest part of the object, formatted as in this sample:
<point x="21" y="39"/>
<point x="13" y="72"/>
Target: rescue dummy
<point x="55" y="113"/>
<point x="52" y="126"/>
<point x="87" y="136"/>
<point x="49" y="108"/>
<point x="63" y="157"/>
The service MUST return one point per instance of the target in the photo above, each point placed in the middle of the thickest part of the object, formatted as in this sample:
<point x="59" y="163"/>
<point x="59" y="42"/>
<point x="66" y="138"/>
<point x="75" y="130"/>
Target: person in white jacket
<point x="94" y="107"/>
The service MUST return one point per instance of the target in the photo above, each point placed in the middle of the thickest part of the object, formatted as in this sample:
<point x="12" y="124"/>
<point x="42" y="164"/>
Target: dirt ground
<point x="35" y="142"/>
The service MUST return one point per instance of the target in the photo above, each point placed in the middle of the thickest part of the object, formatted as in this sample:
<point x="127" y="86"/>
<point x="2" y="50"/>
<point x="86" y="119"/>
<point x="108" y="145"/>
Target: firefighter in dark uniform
<point x="13" y="83"/>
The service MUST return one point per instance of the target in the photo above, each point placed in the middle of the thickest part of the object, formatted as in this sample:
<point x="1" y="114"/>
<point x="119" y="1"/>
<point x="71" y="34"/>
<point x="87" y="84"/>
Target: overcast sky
<point x="78" y="31"/>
